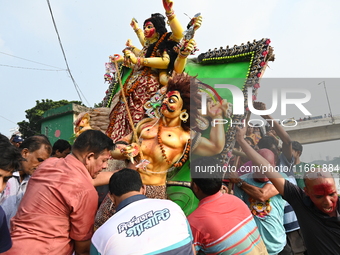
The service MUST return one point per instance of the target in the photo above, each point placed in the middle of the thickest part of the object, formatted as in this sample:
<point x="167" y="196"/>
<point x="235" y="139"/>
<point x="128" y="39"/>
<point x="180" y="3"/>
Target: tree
<point x="34" y="115"/>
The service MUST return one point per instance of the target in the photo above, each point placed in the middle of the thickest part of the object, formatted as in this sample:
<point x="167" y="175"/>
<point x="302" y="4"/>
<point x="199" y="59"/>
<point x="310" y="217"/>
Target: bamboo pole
<point x="128" y="111"/>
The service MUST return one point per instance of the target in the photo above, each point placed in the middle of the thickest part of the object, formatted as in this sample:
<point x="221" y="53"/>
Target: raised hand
<point x="215" y="110"/>
<point x="260" y="106"/>
<point x="134" y="24"/>
<point x="241" y="132"/>
<point x="187" y="48"/>
<point x="225" y="108"/>
<point x="129" y="43"/>
<point x="130" y="56"/>
<point x="167" y="4"/>
<point x="138" y="31"/>
<point x="196" y="22"/>
<point x="116" y="57"/>
<point x="130" y="151"/>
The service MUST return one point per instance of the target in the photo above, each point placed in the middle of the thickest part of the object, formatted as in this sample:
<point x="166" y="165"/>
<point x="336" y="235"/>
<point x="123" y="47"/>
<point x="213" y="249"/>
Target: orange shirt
<point x="58" y="207"/>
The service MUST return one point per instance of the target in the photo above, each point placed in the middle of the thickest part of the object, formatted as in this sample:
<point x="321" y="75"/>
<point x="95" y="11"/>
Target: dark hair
<point x="34" y="143"/>
<point x="187" y="86"/>
<point x="124" y="181"/>
<point x="260" y="129"/>
<point x="93" y="141"/>
<point x="10" y="155"/>
<point x="60" y="145"/>
<point x="4" y="140"/>
<point x="297" y="146"/>
<point x="158" y="20"/>
<point x="209" y="182"/>
<point x="267" y="142"/>
<point x="250" y="140"/>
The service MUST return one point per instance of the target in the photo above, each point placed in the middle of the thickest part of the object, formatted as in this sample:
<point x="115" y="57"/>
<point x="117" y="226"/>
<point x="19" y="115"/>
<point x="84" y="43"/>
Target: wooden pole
<point x="128" y="110"/>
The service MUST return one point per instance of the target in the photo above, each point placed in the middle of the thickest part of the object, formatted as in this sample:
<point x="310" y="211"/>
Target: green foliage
<point x="72" y="139"/>
<point x="98" y="105"/>
<point x="34" y="115"/>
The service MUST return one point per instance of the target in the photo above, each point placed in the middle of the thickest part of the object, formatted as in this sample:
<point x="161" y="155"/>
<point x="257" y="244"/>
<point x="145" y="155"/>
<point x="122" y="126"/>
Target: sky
<point x="303" y="33"/>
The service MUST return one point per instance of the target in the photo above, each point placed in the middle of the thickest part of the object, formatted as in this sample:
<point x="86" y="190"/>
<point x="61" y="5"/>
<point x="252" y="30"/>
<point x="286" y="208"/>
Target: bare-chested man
<point x="167" y="141"/>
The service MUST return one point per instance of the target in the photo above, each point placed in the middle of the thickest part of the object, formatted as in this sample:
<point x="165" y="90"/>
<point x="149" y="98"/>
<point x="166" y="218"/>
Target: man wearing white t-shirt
<point x="137" y="225"/>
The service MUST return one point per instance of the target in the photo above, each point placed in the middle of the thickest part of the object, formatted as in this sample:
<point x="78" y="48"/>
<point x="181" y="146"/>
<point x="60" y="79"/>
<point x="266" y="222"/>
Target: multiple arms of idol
<point x="161" y="63"/>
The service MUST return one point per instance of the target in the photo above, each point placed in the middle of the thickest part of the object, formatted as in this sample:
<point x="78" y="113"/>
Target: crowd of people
<point x="49" y="201"/>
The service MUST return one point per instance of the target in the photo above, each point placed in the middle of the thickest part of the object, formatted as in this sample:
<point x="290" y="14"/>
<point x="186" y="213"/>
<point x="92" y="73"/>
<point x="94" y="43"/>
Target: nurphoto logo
<point x="238" y="105"/>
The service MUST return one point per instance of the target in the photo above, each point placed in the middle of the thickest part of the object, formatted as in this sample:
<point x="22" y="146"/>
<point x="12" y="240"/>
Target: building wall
<point x="60" y="127"/>
<point x="58" y="123"/>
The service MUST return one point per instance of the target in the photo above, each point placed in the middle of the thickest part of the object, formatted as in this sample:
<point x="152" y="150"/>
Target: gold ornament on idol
<point x="184" y="116"/>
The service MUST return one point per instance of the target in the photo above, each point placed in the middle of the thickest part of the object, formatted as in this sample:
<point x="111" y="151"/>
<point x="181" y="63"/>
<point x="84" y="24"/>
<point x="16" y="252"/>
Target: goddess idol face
<point x="149" y="31"/>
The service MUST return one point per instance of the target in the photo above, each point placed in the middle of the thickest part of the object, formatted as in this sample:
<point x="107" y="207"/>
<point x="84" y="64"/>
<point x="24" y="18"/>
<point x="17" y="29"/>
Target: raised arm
<point x="260" y="194"/>
<point x="285" y="138"/>
<point x="176" y="27"/>
<point x="120" y="151"/>
<point x="216" y="141"/>
<point x="138" y="31"/>
<point x="184" y="52"/>
<point x="187" y="47"/>
<point x="130" y="46"/>
<point x="274" y="176"/>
